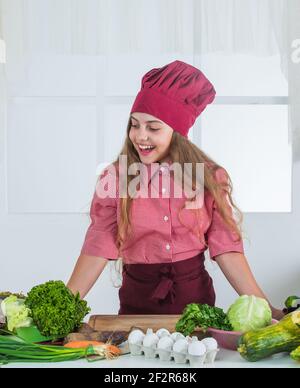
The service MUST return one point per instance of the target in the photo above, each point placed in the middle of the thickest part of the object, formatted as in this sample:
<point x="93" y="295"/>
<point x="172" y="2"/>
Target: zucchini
<point x="284" y="336"/>
<point x="296" y="354"/>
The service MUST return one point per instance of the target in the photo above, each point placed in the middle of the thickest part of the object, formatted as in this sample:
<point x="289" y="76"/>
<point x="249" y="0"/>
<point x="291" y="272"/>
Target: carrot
<point x="82" y="344"/>
<point x="105" y="349"/>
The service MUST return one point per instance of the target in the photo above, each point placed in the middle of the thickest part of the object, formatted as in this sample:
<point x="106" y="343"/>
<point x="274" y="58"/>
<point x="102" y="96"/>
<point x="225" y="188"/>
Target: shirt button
<point x="162" y="169"/>
<point x="163" y="190"/>
<point x="168" y="247"/>
<point x="166" y="218"/>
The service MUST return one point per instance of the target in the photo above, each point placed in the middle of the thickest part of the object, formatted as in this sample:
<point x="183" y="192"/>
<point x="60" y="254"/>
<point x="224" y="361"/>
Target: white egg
<point x="181" y="346"/>
<point x="176" y="336"/>
<point x="165" y="343"/>
<point x="210" y="343"/>
<point x="196" y="348"/>
<point x="136" y="337"/>
<point x="150" y="339"/>
<point x="162" y="332"/>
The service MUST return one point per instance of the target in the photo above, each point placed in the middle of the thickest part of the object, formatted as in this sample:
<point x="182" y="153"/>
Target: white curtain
<point x="236" y="26"/>
<point x="2" y="43"/>
<point x="130" y="26"/>
<point x="91" y="27"/>
<point x="3" y="94"/>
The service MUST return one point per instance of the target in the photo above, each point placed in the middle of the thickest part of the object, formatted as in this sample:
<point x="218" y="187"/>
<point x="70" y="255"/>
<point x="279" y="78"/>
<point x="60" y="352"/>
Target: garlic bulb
<point x="181" y="345"/>
<point x="150" y="339"/>
<point x="136" y="337"/>
<point x="210" y="343"/>
<point x="165" y="343"/>
<point x="162" y="332"/>
<point x="196" y="348"/>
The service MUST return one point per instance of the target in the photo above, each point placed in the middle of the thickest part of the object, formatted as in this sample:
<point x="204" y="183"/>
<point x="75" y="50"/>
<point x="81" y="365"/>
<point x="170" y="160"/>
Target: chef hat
<point x="176" y="93"/>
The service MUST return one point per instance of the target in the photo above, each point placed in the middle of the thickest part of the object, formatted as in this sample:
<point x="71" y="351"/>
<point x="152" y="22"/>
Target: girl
<point x="161" y="241"/>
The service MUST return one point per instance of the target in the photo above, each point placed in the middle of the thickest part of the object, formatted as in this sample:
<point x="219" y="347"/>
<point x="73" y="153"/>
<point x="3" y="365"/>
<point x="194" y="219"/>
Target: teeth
<point x="146" y="147"/>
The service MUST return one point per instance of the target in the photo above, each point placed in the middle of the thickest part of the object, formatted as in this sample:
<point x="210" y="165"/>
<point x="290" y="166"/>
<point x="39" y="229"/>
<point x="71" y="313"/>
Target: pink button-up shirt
<point x="158" y="235"/>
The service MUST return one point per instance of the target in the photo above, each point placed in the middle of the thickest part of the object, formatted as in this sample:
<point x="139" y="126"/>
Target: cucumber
<point x="284" y="336"/>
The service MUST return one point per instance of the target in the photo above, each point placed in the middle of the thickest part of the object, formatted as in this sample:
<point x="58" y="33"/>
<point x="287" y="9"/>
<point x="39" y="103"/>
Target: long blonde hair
<point x="182" y="151"/>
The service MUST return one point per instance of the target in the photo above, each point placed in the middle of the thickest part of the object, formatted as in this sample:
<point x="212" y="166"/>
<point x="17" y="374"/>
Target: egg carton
<point x="167" y="355"/>
<point x="152" y="352"/>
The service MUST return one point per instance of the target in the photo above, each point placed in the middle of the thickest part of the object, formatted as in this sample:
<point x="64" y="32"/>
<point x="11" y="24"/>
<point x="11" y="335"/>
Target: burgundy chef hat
<point x="176" y="93"/>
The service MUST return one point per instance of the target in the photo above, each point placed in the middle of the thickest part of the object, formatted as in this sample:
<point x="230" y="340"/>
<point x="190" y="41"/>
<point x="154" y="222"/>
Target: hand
<point x="277" y="314"/>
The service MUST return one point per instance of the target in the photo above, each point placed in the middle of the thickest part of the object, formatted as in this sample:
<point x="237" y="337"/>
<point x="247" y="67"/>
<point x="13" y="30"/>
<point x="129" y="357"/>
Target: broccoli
<point x="55" y="310"/>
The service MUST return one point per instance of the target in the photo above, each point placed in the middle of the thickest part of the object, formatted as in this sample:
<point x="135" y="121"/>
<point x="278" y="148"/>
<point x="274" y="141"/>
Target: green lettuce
<point x="55" y="310"/>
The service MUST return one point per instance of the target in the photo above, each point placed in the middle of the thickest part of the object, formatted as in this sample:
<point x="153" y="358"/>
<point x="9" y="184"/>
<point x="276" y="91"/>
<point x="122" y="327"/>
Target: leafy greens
<point x="202" y="315"/>
<point x="55" y="310"/>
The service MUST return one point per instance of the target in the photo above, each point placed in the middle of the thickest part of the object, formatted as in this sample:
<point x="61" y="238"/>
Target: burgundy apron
<point x="165" y="288"/>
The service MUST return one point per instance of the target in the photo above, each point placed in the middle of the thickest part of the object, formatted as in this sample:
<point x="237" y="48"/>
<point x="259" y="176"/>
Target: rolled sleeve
<point x="101" y="236"/>
<point x="220" y="237"/>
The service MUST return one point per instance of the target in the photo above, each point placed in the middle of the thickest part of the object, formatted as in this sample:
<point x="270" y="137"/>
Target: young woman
<point x="159" y="238"/>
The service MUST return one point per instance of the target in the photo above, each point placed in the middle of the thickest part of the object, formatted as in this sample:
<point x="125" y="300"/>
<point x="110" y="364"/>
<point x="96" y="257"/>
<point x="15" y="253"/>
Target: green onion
<point x="14" y="349"/>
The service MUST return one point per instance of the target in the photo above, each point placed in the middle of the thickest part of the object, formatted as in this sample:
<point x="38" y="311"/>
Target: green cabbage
<point x="16" y="313"/>
<point x="249" y="313"/>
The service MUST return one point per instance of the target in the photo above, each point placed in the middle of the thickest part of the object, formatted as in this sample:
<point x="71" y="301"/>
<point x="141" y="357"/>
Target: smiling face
<point x="147" y="130"/>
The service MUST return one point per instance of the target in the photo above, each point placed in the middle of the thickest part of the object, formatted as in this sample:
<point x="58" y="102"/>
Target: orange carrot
<point x="82" y="344"/>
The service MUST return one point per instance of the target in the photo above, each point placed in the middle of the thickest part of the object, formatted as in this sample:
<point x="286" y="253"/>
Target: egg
<point x="210" y="343"/>
<point x="181" y="345"/>
<point x="150" y="339"/>
<point x="196" y="348"/>
<point x="176" y="336"/>
<point x="136" y="337"/>
<point x="162" y="332"/>
<point x="165" y="343"/>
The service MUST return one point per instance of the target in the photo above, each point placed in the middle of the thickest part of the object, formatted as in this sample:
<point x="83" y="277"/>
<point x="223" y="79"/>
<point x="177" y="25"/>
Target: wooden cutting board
<point x="126" y="322"/>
